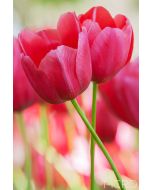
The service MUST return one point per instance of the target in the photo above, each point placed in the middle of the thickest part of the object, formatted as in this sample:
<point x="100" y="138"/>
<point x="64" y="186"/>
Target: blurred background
<point x="59" y="160"/>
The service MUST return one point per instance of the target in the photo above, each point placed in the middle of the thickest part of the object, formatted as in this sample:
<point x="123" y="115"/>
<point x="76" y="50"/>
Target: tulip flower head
<point x="111" y="42"/>
<point x="57" y="64"/>
<point x="122" y="93"/>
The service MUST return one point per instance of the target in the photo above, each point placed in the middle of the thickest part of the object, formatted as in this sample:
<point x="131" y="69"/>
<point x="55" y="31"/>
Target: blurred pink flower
<point x="122" y="93"/>
<point x="23" y="93"/>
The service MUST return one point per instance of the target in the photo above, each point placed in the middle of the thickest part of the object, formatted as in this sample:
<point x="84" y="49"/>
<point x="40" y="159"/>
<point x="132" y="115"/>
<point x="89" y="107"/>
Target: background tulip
<point x="23" y="93"/>
<point x="106" y="122"/>
<point x="111" y="42"/>
<point x="57" y="132"/>
<point x="122" y="93"/>
<point x="57" y="72"/>
<point x="61" y="108"/>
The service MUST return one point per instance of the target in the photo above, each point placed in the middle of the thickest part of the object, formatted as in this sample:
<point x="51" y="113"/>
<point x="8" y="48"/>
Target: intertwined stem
<point x="92" y="149"/>
<point x="99" y="142"/>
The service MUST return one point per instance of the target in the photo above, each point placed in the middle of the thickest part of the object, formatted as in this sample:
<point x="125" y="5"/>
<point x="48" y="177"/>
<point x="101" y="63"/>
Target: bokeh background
<point x="68" y="152"/>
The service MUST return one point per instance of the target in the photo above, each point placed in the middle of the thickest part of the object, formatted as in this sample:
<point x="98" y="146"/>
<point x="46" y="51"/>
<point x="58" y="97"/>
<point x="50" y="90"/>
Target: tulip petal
<point x="93" y="29"/>
<point x="122" y="94"/>
<point x="23" y="93"/>
<point x="36" y="45"/>
<point x="106" y="126"/>
<point x="69" y="28"/>
<point x="128" y="29"/>
<point x="40" y="81"/>
<point x="120" y="21"/>
<point x="83" y="61"/>
<point x="110" y="52"/>
<point x="100" y="15"/>
<point x="59" y="66"/>
<point x="49" y="34"/>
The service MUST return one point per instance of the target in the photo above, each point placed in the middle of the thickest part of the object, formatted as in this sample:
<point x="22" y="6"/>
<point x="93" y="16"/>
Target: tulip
<point x="122" y="93"/>
<point x="106" y="123"/>
<point x="23" y="93"/>
<point x="58" y="67"/>
<point x="60" y="108"/>
<point x="111" y="42"/>
<point x="57" y="132"/>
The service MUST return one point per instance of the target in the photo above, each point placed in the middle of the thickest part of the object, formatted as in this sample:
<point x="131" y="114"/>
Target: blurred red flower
<point x="61" y="108"/>
<point x="106" y="122"/>
<point x="57" y="132"/>
<point x="122" y="93"/>
<point x="111" y="41"/>
<point x="23" y="93"/>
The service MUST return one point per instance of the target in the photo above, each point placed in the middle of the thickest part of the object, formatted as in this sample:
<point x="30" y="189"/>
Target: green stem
<point x="92" y="149"/>
<point x="45" y="139"/>
<point x="99" y="142"/>
<point x="27" y="150"/>
<point x="44" y="124"/>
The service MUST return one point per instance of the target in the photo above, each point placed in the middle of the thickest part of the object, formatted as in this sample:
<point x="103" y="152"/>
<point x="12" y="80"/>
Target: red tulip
<point x="59" y="65"/>
<point x="23" y="93"/>
<point x="111" y="42"/>
<point x="57" y="132"/>
<point x="60" y="108"/>
<point x="122" y="93"/>
<point x="106" y="123"/>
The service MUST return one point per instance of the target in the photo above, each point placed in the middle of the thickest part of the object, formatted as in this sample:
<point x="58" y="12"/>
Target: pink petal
<point x="49" y="34"/>
<point x="23" y="93"/>
<point x="69" y="28"/>
<point x="106" y="124"/>
<point x="59" y="66"/>
<point x="40" y="81"/>
<point x="122" y="93"/>
<point x="110" y="52"/>
<point x="100" y="15"/>
<point x="83" y="61"/>
<point x="37" y="45"/>
<point x="93" y="29"/>
<point x="120" y="21"/>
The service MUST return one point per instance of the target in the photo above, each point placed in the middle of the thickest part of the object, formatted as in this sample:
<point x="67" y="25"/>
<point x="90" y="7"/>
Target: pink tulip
<point x="57" y="63"/>
<point x="111" y="42"/>
<point x="122" y="93"/>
